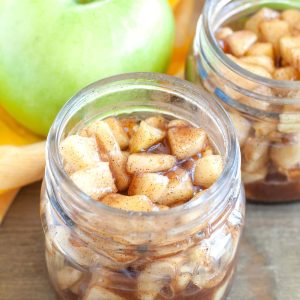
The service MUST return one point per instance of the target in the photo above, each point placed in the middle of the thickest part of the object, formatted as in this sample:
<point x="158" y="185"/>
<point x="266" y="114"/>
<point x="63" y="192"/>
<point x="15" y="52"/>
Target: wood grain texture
<point x="268" y="265"/>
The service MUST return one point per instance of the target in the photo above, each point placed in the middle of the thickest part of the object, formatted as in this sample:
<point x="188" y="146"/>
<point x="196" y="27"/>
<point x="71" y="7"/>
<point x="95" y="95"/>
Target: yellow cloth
<point x="11" y="133"/>
<point x="186" y="13"/>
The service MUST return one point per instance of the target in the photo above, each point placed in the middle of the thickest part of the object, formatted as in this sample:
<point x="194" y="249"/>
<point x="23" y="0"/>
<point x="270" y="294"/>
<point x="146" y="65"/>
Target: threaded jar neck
<point x="141" y="93"/>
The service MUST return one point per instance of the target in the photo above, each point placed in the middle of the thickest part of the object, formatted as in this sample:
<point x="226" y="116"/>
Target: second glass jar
<point x="265" y="112"/>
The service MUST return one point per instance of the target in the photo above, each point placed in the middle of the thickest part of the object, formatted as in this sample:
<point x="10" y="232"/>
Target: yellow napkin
<point x="11" y="159"/>
<point x="186" y="13"/>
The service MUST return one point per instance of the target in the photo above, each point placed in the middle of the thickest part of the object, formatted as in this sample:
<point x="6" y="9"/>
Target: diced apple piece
<point x="178" y="123"/>
<point x="130" y="203"/>
<point x="289" y="122"/>
<point x="223" y="32"/>
<point x="67" y="277"/>
<point x="255" y="154"/>
<point x="104" y="135"/>
<point x="182" y="281"/>
<point x="272" y="31"/>
<point x="286" y="156"/>
<point x="97" y="292"/>
<point x="208" y="170"/>
<point x="260" y="60"/>
<point x="262" y="15"/>
<point x="240" y="42"/>
<point x="130" y="125"/>
<point x="256" y="70"/>
<point x="265" y="49"/>
<point x="288" y="43"/>
<point x="295" y="54"/>
<point x="149" y="162"/>
<point x="242" y="126"/>
<point x="118" y="131"/>
<point x="109" y="145"/>
<point x="154" y="277"/>
<point x="257" y="103"/>
<point x="78" y="153"/>
<point x="179" y="189"/>
<point x="157" y="122"/>
<point x="264" y="129"/>
<point x="291" y="16"/>
<point x="145" y="137"/>
<point x="258" y="175"/>
<point x="118" y="162"/>
<point x="251" y="68"/>
<point x="186" y="141"/>
<point x="152" y="185"/>
<point x="286" y="73"/>
<point x="241" y="81"/>
<point x="95" y="181"/>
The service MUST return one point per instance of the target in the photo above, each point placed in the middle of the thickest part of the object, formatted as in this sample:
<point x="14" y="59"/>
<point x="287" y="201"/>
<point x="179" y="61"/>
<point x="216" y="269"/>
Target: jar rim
<point x="232" y="159"/>
<point x="206" y="21"/>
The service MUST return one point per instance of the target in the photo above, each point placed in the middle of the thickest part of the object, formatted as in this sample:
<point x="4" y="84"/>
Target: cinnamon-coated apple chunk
<point x="264" y="14"/>
<point x="250" y="177"/>
<point x="255" y="153"/>
<point x="154" y="277"/>
<point x="103" y="134"/>
<point x="178" y="123"/>
<point x="130" y="203"/>
<point x="95" y="181"/>
<point x="291" y="16"/>
<point x="286" y="156"/>
<point x="145" y="137"/>
<point x="287" y="44"/>
<point x="149" y="162"/>
<point x="157" y="122"/>
<point x="240" y="42"/>
<point x="118" y="131"/>
<point x="223" y="32"/>
<point x="263" y="61"/>
<point x="179" y="189"/>
<point x="272" y="31"/>
<point x="265" y="49"/>
<point x="67" y="277"/>
<point x="109" y="145"/>
<point x="208" y="170"/>
<point x="186" y="141"/>
<point x="78" y="153"/>
<point x="286" y="73"/>
<point x="242" y="125"/>
<point x="130" y="126"/>
<point x="153" y="185"/>
<point x="118" y="161"/>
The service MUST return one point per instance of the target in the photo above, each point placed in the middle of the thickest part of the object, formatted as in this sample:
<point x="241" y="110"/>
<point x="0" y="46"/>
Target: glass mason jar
<point x="97" y="252"/>
<point x="265" y="112"/>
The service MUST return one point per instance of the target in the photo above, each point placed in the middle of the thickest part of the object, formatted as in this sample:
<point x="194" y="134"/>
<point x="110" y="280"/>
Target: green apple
<point x="50" y="49"/>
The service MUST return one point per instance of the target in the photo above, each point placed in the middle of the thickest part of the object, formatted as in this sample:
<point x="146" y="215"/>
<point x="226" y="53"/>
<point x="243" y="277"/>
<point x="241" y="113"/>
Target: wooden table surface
<point x="268" y="265"/>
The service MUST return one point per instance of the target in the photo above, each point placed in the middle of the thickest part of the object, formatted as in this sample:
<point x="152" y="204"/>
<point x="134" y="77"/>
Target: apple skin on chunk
<point x="51" y="49"/>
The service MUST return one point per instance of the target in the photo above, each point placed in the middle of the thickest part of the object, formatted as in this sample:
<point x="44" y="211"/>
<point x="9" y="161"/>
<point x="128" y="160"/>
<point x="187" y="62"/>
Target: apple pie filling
<point x="141" y="165"/>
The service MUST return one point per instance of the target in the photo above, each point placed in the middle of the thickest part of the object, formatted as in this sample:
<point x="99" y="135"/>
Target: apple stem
<point x="85" y="1"/>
